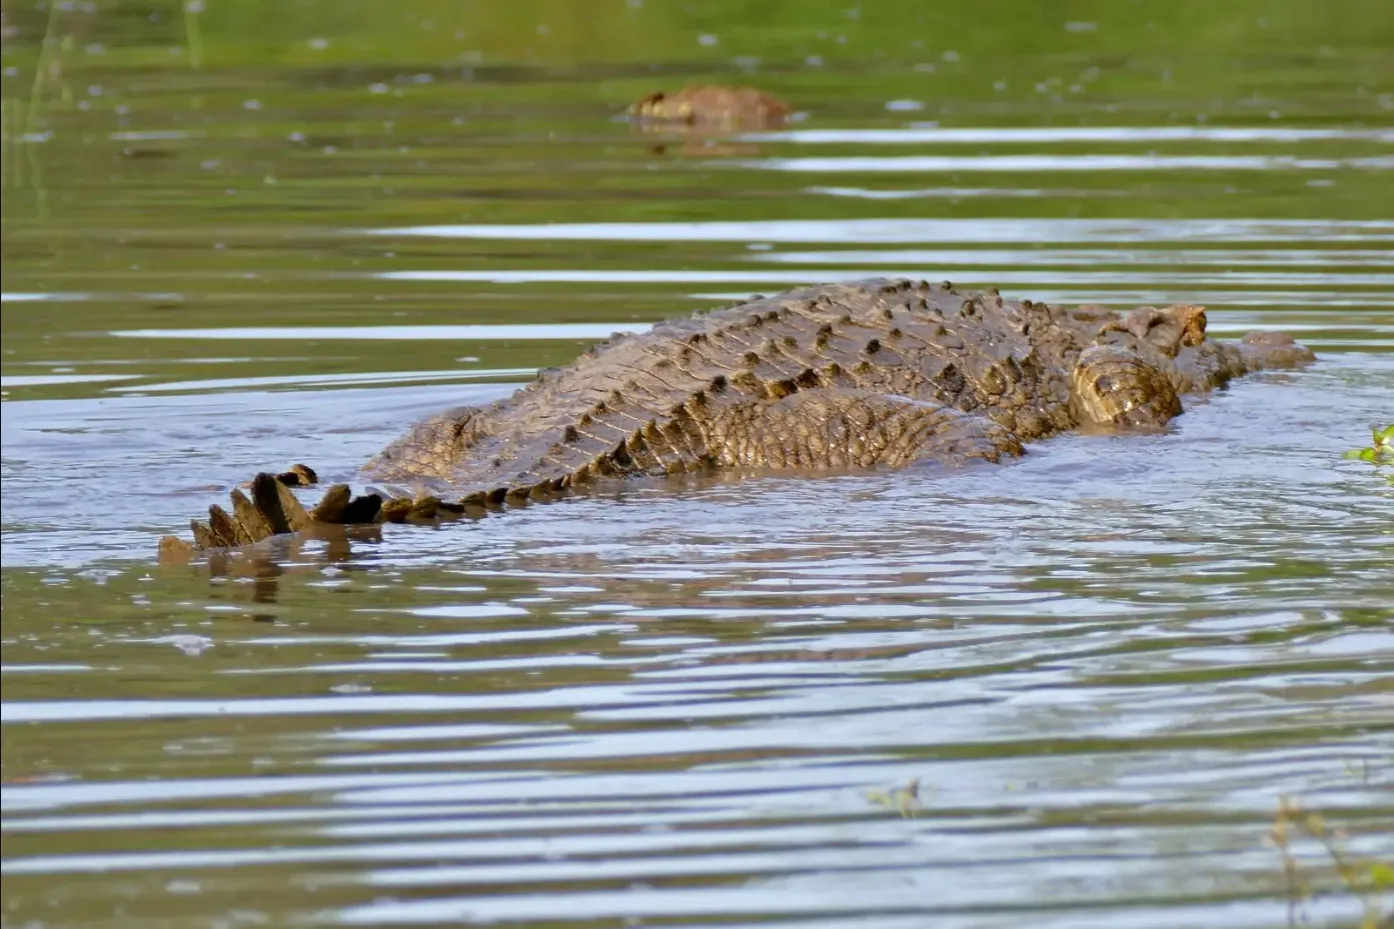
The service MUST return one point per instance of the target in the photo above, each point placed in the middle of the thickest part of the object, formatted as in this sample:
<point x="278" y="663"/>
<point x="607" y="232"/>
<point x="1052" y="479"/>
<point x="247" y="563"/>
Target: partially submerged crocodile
<point x="712" y="106"/>
<point x="838" y="376"/>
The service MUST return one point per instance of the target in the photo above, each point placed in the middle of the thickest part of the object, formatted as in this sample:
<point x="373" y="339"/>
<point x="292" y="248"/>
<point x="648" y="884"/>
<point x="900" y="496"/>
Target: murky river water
<point x="233" y="240"/>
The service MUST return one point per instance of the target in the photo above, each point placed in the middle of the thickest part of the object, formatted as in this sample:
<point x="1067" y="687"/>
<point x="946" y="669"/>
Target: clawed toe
<point x="298" y="475"/>
<point x="268" y="508"/>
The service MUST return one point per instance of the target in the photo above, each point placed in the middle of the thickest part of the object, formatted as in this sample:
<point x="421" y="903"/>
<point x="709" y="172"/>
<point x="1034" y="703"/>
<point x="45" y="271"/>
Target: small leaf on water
<point x="1382" y="875"/>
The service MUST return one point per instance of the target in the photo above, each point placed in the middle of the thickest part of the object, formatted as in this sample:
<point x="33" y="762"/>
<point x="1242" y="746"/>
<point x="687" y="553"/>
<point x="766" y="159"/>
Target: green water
<point x="240" y="234"/>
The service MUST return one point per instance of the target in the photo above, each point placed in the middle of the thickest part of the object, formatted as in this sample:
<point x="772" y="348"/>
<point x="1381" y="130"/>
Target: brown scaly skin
<point x="713" y="106"/>
<point x="839" y="376"/>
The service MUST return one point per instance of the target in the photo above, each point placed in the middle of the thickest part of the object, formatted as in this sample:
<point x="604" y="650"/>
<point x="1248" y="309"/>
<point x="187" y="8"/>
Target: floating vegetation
<point x="1363" y="771"/>
<point x="1380" y="452"/>
<point x="905" y="800"/>
<point x="1370" y="880"/>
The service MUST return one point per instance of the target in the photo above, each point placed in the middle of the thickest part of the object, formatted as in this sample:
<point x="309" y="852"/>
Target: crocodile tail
<point x="433" y="448"/>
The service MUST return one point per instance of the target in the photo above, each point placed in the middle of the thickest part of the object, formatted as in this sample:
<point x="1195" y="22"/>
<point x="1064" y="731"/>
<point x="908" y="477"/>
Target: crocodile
<point x="712" y="106"/>
<point x="833" y="377"/>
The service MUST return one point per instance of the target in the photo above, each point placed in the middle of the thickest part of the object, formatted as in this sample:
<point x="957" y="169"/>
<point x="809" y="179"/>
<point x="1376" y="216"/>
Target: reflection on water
<point x="323" y="380"/>
<point x="1043" y="163"/>
<point x="790" y="279"/>
<point x="43" y="380"/>
<point x="987" y="231"/>
<point x="1329" y="260"/>
<point x="595" y="332"/>
<point x="1036" y="135"/>
<point x="677" y="703"/>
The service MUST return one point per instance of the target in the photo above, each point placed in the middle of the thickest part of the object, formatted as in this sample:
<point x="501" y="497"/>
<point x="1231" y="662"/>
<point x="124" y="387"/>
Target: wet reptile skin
<point x="833" y="377"/>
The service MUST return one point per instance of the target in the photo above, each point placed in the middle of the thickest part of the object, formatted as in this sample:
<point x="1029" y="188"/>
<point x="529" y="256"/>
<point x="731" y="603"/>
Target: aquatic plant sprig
<point x="1369" y="880"/>
<point x="1380" y="451"/>
<point x="905" y="800"/>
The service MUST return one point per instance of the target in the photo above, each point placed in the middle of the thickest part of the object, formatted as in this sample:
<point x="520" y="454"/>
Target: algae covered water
<point x="1071" y="691"/>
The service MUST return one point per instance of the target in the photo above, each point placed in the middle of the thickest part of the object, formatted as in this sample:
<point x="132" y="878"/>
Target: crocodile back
<point x="622" y="406"/>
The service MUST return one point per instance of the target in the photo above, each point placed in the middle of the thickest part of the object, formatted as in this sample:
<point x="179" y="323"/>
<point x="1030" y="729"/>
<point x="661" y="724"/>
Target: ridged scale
<point x="640" y="403"/>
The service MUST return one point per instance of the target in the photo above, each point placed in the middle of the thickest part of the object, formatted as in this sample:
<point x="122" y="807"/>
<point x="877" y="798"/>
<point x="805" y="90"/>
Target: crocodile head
<point x="712" y="106"/>
<point x="1133" y="373"/>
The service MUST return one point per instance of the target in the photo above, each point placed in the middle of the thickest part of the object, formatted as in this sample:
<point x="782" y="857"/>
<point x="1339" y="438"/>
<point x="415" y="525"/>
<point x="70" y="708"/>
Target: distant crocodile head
<point x="713" y="106"/>
<point x="834" y="377"/>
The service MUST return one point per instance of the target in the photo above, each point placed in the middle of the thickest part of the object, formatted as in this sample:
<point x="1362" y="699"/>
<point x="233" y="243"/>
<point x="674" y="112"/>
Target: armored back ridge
<point x="837" y="376"/>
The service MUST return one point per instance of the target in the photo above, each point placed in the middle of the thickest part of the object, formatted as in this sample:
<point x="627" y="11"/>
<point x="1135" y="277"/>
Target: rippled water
<point x="1069" y="691"/>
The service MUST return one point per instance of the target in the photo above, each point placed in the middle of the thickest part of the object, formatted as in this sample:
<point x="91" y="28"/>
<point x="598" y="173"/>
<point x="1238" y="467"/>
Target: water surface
<point x="238" y="236"/>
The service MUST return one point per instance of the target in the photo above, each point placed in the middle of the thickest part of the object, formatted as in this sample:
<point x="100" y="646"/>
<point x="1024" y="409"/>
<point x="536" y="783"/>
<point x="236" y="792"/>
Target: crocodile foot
<point x="271" y="510"/>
